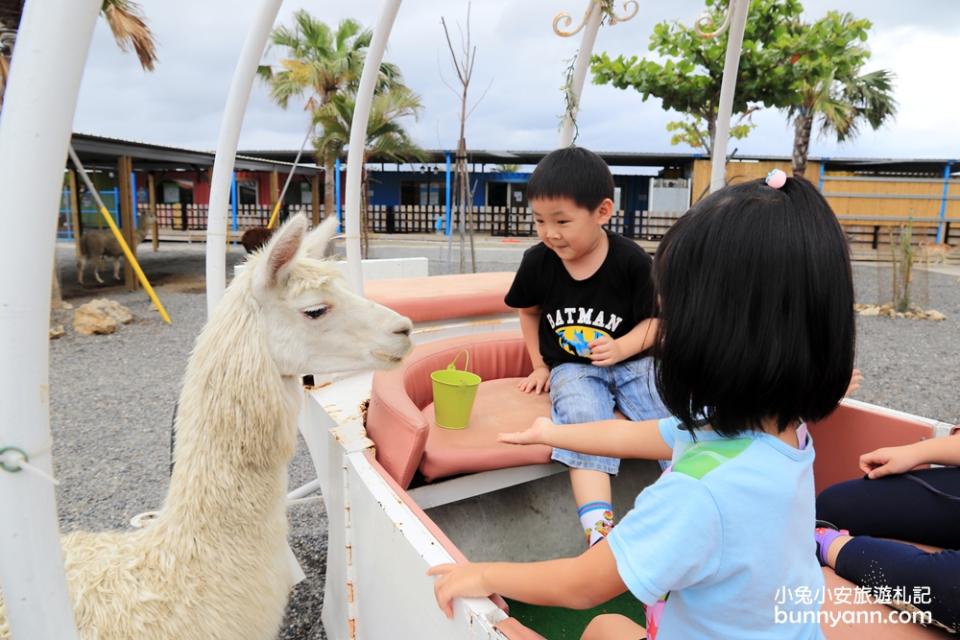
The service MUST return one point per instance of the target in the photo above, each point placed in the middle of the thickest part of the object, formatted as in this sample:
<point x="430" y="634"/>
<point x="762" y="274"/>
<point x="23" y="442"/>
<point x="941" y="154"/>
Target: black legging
<point x="901" y="507"/>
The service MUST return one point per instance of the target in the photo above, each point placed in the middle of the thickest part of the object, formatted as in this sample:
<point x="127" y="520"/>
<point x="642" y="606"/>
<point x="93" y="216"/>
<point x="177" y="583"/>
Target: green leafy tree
<point x="689" y="77"/>
<point x="386" y="137"/>
<point x="320" y="63"/>
<point x="832" y="88"/>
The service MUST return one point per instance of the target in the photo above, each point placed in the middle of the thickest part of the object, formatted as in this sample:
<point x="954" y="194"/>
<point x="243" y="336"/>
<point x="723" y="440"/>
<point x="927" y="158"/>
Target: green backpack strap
<point x="703" y="457"/>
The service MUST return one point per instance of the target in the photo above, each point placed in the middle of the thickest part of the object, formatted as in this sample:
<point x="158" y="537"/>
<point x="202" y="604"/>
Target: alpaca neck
<point x="235" y="429"/>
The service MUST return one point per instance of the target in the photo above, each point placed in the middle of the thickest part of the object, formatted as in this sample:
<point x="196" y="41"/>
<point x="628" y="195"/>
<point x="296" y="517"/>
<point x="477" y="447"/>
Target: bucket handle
<point x="466" y="365"/>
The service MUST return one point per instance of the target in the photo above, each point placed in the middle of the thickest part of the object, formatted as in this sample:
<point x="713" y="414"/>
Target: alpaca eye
<point x="315" y="312"/>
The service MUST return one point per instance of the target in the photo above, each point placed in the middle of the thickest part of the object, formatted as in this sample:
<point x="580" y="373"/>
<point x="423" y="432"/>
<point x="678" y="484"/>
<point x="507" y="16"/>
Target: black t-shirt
<point x="573" y="313"/>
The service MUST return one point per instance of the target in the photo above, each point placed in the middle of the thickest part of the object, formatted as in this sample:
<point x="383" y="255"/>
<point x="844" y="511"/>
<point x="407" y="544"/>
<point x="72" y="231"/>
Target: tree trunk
<point x="803" y="124"/>
<point x="329" y="193"/>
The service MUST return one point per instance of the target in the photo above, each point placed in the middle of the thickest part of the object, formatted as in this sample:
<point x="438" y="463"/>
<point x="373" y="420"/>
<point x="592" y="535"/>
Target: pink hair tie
<point x="776" y="179"/>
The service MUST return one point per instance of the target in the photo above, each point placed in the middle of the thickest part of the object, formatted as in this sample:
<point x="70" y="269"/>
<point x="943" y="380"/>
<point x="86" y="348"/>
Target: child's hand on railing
<point x="538" y="381"/>
<point x="536" y="434"/>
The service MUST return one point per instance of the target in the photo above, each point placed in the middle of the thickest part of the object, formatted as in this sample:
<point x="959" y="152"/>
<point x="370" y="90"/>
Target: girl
<point x="756" y="336"/>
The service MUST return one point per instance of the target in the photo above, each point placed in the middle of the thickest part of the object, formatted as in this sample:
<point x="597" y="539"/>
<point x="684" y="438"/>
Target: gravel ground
<point x="113" y="396"/>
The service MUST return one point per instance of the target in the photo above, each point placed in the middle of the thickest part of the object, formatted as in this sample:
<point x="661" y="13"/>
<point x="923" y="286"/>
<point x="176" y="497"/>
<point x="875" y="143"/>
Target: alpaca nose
<point x="404" y="329"/>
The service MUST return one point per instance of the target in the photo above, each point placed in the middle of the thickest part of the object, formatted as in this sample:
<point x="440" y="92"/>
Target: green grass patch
<point x="556" y="623"/>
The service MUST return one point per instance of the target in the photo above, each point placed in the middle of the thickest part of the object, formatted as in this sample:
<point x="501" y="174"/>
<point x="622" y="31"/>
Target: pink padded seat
<point x="499" y="406"/>
<point x="443" y="297"/>
<point x="850" y="431"/>
<point x="397" y="424"/>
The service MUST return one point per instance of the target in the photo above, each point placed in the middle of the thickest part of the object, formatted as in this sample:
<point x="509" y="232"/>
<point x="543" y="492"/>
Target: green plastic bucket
<point x="453" y="393"/>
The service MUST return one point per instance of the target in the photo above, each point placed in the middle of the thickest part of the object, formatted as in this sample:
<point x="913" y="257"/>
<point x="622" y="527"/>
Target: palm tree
<point x="320" y="63"/>
<point x="842" y="106"/>
<point x="831" y="88"/>
<point x="386" y="137"/>
<point x="125" y="18"/>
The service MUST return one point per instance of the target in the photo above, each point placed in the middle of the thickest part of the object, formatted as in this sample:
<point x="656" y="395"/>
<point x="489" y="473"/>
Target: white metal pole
<point x="358" y="139"/>
<point x="580" y="72"/>
<point x="223" y="164"/>
<point x="738" y="19"/>
<point x="41" y="97"/>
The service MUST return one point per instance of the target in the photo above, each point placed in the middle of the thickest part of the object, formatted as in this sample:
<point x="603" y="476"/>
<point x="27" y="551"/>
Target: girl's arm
<point x="892" y="460"/>
<point x="613" y="438"/>
<point x="575" y="583"/>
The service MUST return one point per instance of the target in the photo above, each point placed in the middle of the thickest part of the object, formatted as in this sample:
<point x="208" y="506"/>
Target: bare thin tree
<point x="463" y="64"/>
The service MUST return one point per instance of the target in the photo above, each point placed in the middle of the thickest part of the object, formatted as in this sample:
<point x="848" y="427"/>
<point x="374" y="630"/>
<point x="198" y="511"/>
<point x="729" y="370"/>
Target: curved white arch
<point x="580" y="71"/>
<point x="41" y="97"/>
<point x="358" y="138"/>
<point x="737" y="19"/>
<point x="225" y="158"/>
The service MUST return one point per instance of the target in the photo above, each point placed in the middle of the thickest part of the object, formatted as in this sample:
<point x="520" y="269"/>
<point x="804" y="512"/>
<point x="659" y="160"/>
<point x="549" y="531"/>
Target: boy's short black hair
<point x="572" y="172"/>
<point x="756" y="309"/>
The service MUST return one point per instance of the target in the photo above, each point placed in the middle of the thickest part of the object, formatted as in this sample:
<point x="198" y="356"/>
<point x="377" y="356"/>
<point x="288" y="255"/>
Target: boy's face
<point x="567" y="229"/>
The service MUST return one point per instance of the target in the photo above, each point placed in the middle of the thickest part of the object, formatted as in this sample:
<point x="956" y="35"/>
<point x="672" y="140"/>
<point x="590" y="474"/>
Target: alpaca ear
<point x="317" y="240"/>
<point x="280" y="252"/>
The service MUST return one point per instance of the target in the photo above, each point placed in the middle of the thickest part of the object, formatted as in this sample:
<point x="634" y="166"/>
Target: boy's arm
<point x="539" y="378"/>
<point x="605" y="352"/>
<point x="613" y="438"/>
<point x="575" y="583"/>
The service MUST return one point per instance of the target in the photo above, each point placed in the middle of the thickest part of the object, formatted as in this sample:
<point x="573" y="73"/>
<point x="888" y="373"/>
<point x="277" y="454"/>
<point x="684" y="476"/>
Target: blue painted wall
<point x="386" y="186"/>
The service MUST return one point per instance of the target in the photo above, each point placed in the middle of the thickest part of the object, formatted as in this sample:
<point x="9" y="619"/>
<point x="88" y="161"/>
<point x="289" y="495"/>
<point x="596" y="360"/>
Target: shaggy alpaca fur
<point x="213" y="565"/>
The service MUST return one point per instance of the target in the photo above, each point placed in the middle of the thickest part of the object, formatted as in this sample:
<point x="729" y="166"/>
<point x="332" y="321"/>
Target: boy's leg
<point x="613" y="626"/>
<point x="636" y="390"/>
<point x="636" y="393"/>
<point x="581" y="393"/>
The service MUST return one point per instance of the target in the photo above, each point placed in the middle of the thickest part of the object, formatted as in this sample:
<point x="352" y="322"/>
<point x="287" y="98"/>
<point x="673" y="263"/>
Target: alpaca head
<point x="312" y="322"/>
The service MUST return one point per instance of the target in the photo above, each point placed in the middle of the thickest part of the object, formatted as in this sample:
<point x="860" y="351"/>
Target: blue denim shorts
<point x="587" y="393"/>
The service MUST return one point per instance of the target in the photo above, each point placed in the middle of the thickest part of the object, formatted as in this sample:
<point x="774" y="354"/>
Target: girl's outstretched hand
<point x="462" y="580"/>
<point x="888" y="461"/>
<point x="533" y="435"/>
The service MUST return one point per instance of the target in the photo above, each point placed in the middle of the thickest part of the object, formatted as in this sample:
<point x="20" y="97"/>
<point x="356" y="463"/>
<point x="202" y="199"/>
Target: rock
<point x="56" y="331"/>
<point x="90" y="319"/>
<point x="935" y="315"/>
<point x="113" y="309"/>
<point x="868" y="310"/>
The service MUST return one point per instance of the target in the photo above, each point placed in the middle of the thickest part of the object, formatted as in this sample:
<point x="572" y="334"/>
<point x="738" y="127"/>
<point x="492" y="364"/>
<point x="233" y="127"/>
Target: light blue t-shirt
<point x="728" y="533"/>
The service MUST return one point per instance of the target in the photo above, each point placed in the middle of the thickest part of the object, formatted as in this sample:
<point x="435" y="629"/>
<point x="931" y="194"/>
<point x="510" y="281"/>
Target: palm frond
<point x="129" y="28"/>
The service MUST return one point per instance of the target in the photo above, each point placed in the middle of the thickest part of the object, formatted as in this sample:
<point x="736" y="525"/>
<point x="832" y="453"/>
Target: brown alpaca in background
<point x="253" y="239"/>
<point x="95" y="245"/>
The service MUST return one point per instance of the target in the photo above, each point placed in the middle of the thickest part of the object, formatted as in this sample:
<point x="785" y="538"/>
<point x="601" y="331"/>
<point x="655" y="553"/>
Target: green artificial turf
<point x="556" y="623"/>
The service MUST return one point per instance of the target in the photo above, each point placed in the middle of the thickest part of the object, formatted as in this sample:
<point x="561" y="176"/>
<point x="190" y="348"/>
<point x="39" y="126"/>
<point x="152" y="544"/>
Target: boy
<point x="585" y="297"/>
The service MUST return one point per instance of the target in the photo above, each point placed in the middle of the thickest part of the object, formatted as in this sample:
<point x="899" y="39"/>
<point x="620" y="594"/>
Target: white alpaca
<point x="213" y="565"/>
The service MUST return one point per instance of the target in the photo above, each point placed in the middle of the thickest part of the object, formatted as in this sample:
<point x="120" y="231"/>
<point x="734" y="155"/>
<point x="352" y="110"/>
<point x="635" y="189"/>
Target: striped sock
<point x="597" y="520"/>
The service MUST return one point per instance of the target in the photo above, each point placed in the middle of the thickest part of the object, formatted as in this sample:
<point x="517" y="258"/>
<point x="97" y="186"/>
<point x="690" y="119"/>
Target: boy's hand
<point x="855" y="381"/>
<point x="462" y="580"/>
<point x="606" y="352"/>
<point x="536" y="434"/>
<point x="537" y="381"/>
<point x="888" y="461"/>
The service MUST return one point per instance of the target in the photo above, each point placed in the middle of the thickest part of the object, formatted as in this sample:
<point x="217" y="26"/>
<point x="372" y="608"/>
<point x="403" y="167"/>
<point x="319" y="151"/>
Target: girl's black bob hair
<point x="756" y="309"/>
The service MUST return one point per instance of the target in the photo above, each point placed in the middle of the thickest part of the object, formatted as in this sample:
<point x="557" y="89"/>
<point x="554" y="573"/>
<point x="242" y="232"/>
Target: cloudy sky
<point x="521" y="61"/>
